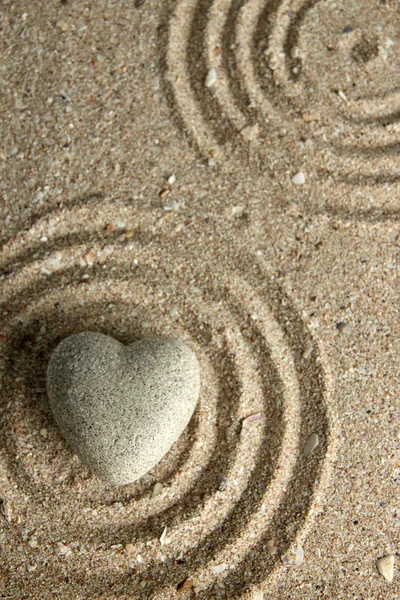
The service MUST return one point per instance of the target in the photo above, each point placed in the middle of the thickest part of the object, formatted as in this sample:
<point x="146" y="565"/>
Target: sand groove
<point x="251" y="344"/>
<point x="264" y="53"/>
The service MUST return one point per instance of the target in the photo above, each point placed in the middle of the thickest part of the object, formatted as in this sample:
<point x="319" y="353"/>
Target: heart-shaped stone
<point x="122" y="407"/>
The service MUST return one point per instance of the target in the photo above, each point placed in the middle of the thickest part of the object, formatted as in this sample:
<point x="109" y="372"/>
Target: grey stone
<point x="121" y="408"/>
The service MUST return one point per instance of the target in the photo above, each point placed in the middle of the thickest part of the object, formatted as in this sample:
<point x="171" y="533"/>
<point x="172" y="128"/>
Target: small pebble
<point x="129" y="549"/>
<point x="211" y="78"/>
<point x="308" y="351"/>
<point x="219" y="568"/>
<point x="30" y="568"/>
<point x="54" y="262"/>
<point x="171" y="180"/>
<point x="63" y="550"/>
<point x="309" y="117"/>
<point x="237" y="211"/>
<point x="174" y="206"/>
<point x="295" y="562"/>
<point x="6" y="510"/>
<point x="186" y="584"/>
<point x="164" y="192"/>
<point x="311" y="444"/>
<point x="223" y="483"/>
<point x="299" y="178"/>
<point x="62" y="25"/>
<point x="161" y="557"/>
<point x="157" y="489"/>
<point x="385" y="567"/>
<point x="344" y="328"/>
<point x="89" y="258"/>
<point x="272" y="547"/>
<point x="251" y="132"/>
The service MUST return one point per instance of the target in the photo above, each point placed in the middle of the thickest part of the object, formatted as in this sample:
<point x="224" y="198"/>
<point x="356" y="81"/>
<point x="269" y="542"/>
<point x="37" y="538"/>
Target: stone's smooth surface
<point x="122" y="407"/>
<point x="385" y="566"/>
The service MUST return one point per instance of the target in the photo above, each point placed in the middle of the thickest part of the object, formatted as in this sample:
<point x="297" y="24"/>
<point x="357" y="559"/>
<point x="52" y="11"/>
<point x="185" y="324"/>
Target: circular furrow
<point x="287" y="41"/>
<point x="218" y="23"/>
<point x="178" y="40"/>
<point x="250" y="343"/>
<point x="334" y="88"/>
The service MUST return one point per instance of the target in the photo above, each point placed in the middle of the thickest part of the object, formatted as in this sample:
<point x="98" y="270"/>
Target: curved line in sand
<point x="266" y="327"/>
<point x="178" y="39"/>
<point x="217" y="23"/>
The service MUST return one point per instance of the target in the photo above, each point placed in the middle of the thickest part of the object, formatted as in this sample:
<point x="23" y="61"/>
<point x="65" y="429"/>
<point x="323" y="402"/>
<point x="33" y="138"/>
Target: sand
<point x="101" y="104"/>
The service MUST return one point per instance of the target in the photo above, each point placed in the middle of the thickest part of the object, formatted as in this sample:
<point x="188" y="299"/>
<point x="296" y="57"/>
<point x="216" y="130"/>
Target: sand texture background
<point x="137" y="200"/>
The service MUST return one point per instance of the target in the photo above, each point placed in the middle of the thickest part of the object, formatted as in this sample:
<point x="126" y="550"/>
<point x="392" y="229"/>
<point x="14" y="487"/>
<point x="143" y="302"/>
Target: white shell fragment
<point x="54" y="262"/>
<point x="219" y="568"/>
<point x="162" y="538"/>
<point x="211" y="78"/>
<point x="63" y="550"/>
<point x="175" y="206"/>
<point x="311" y="444"/>
<point x="385" y="567"/>
<point x="254" y="417"/>
<point x="296" y="561"/>
<point x="237" y="210"/>
<point x="299" y="178"/>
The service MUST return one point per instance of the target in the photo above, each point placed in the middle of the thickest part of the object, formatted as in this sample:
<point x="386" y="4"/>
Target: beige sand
<point x="101" y="104"/>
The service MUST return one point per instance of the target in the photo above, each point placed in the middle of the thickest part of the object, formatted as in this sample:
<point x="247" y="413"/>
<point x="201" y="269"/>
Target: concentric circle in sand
<point x="256" y="357"/>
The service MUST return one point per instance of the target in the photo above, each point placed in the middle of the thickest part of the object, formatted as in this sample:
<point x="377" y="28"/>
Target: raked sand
<point x="226" y="173"/>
